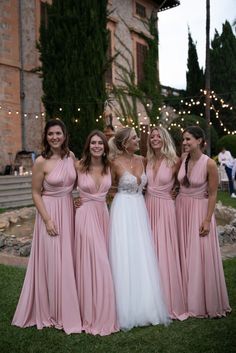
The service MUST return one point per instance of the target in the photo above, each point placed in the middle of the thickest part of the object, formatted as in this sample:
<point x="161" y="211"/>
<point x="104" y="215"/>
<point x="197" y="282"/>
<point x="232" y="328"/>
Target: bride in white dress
<point x="138" y="290"/>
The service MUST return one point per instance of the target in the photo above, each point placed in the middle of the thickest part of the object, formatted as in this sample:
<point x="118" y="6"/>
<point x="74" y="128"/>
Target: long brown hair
<point x="85" y="162"/>
<point x="197" y="133"/>
<point x="46" y="149"/>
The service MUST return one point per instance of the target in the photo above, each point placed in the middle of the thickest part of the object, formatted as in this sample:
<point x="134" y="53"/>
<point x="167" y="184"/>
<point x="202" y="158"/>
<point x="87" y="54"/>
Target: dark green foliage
<point x="194" y="75"/>
<point x="128" y="93"/>
<point x="151" y="85"/>
<point x="223" y="73"/>
<point x="229" y="142"/>
<point x="73" y="45"/>
<point x="190" y="120"/>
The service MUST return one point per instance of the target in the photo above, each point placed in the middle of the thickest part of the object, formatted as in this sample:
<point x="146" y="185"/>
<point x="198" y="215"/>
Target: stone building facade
<point x="21" y="119"/>
<point x="21" y="110"/>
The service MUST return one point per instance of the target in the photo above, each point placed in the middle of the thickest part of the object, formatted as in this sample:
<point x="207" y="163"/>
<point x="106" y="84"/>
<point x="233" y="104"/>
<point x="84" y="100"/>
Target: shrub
<point x="229" y="142"/>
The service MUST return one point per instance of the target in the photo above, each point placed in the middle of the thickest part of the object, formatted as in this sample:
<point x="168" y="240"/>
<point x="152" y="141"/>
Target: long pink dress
<point x="201" y="263"/>
<point x="49" y="296"/>
<point x="161" y="210"/>
<point x="93" y="273"/>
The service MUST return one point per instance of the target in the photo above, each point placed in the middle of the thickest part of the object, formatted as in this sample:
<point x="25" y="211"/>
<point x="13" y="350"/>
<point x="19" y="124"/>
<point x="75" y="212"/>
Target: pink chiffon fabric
<point x="161" y="210"/>
<point x="93" y="273"/>
<point x="49" y="296"/>
<point x="201" y="264"/>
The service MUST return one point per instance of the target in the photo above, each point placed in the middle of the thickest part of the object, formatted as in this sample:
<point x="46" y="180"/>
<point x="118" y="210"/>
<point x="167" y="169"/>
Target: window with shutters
<point x="140" y="10"/>
<point x="108" y="73"/>
<point x="141" y="53"/>
<point x="43" y="13"/>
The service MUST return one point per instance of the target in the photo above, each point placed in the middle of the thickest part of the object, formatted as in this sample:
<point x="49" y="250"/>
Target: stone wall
<point x="12" y="244"/>
<point x="126" y="29"/>
<point x="21" y="246"/>
<point x="20" y="89"/>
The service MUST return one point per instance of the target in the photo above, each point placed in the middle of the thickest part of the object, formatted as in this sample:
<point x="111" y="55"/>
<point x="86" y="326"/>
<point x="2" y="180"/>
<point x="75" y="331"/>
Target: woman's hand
<point x="77" y="202"/>
<point x="51" y="228"/>
<point x="205" y="228"/>
<point x="174" y="192"/>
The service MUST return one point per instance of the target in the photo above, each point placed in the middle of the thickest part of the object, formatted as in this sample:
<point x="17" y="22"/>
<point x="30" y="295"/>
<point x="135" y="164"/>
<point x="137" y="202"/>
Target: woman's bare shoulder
<point x="40" y="162"/>
<point x="211" y="164"/>
<point x="78" y="164"/>
<point x="72" y="155"/>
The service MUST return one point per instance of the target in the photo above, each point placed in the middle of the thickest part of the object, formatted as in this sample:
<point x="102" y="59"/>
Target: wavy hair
<point x="85" y="162"/>
<point x="118" y="141"/>
<point x="197" y="133"/>
<point x="46" y="149"/>
<point x="168" y="147"/>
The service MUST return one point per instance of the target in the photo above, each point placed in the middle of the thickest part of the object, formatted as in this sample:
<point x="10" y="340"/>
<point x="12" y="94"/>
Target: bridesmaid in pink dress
<point x="93" y="273"/>
<point x="201" y="263"/>
<point x="162" y="164"/>
<point x="49" y="296"/>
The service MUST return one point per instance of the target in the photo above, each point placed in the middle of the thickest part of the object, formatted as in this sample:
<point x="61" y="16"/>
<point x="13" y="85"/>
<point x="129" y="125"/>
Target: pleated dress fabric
<point x="49" y="297"/>
<point x="93" y="272"/>
<point x="162" y="214"/>
<point x="139" y="296"/>
<point x="201" y="264"/>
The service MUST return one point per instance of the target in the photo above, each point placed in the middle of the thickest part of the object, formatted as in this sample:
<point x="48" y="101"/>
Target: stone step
<point x="15" y="191"/>
<point x="9" y="187"/>
<point x="9" y="180"/>
<point x="14" y="204"/>
<point x="16" y="197"/>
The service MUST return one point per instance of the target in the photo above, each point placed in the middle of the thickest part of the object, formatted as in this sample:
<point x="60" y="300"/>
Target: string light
<point x="188" y="103"/>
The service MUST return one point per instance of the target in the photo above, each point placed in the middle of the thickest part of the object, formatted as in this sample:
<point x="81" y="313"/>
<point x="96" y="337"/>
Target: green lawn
<point x="225" y="198"/>
<point x="190" y="336"/>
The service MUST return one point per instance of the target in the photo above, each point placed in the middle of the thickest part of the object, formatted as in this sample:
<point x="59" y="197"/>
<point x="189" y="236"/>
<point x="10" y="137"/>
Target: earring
<point x="104" y="154"/>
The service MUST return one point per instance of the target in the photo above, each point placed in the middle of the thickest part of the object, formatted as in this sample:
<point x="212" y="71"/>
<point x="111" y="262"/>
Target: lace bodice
<point x="128" y="183"/>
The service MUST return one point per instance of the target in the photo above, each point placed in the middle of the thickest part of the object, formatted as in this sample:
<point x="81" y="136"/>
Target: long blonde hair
<point x="168" y="148"/>
<point x="118" y="141"/>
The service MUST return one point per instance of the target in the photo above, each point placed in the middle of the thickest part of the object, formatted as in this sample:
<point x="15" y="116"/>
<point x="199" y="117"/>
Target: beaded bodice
<point x="128" y="183"/>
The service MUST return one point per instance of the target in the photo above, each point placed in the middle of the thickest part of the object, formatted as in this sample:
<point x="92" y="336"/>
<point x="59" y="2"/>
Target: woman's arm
<point x="77" y="200"/>
<point x="176" y="186"/>
<point x="212" y="196"/>
<point x="38" y="176"/>
<point x="113" y="188"/>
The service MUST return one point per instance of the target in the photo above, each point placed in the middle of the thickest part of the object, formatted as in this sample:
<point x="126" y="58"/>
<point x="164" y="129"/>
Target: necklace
<point x="130" y="159"/>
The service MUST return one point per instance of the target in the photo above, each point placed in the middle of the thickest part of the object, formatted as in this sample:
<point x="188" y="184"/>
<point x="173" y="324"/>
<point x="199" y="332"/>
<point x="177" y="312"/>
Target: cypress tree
<point x="194" y="75"/>
<point x="223" y="73"/>
<point x="73" y="45"/>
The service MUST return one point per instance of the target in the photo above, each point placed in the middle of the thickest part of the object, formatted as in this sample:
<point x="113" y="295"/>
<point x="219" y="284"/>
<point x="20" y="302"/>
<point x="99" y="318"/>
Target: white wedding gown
<point x="134" y="266"/>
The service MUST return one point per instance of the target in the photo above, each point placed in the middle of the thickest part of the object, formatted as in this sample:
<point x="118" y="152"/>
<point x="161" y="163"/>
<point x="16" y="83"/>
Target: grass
<point x="190" y="336"/>
<point x="225" y="198"/>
